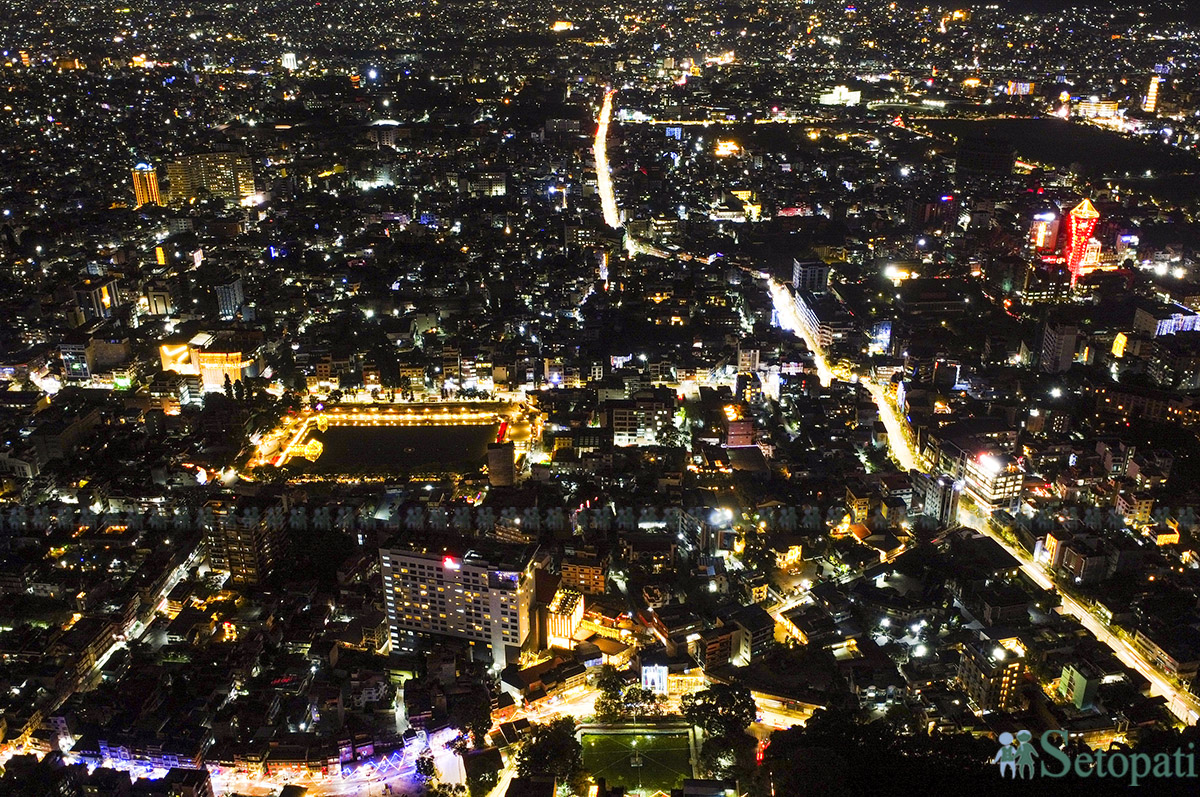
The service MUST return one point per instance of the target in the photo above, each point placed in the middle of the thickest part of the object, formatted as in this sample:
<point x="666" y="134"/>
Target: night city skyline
<point x="688" y="399"/>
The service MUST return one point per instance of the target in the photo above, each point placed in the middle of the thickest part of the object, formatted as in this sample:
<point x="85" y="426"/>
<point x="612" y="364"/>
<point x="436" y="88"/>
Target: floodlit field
<point x="665" y="760"/>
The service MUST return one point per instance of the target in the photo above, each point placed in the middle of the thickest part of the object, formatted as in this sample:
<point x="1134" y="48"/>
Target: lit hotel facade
<point x="474" y="597"/>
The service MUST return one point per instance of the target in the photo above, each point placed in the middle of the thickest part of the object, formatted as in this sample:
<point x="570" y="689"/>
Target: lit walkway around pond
<point x="292" y="438"/>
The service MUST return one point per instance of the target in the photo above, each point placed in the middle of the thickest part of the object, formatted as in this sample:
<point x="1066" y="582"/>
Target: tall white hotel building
<point x="481" y="596"/>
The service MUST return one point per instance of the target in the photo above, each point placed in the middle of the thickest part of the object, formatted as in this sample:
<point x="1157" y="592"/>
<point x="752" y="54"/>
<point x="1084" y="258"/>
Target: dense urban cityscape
<point x="690" y="399"/>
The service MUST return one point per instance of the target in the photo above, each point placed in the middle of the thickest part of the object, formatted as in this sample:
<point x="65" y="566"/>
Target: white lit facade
<point x="994" y="481"/>
<point x="465" y="597"/>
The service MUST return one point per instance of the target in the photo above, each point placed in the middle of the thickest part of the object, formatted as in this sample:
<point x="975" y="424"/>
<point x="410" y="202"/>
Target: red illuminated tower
<point x="1081" y="223"/>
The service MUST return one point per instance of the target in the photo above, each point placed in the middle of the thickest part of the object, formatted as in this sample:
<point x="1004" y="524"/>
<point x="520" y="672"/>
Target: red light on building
<point x="450" y="564"/>
<point x="1081" y="223"/>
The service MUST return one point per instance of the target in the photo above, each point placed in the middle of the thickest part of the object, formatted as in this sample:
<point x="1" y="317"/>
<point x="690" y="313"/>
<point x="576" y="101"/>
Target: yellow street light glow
<point x="604" y="183"/>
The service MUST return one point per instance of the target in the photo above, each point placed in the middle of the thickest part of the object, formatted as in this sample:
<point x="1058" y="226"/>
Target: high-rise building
<point x="941" y="494"/>
<point x="97" y="297"/>
<point x="451" y="366"/>
<point x="994" y="481"/>
<point x="247" y="547"/>
<point x="160" y="298"/>
<point x="78" y="357"/>
<point x="1081" y="223"/>
<point x="810" y="275"/>
<point x="1079" y="683"/>
<point x="230" y="296"/>
<point x="1043" y="233"/>
<point x="756" y="633"/>
<point x="639" y="420"/>
<point x="182" y="181"/>
<point x="1059" y="342"/>
<point x="991" y="678"/>
<point x="1150" y="104"/>
<point x="749" y="356"/>
<point x="227" y="175"/>
<point x="586" y="572"/>
<point x="481" y="598"/>
<point x="486" y="184"/>
<point x="289" y="61"/>
<point x="501" y="462"/>
<point x="145" y="185"/>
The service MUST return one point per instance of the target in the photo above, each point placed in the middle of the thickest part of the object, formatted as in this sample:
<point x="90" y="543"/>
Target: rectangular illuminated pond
<point x="644" y="763"/>
<point x="351" y="449"/>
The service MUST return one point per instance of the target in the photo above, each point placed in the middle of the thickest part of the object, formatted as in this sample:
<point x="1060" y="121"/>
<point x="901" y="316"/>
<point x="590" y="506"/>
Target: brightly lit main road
<point x="1182" y="704"/>
<point x="604" y="182"/>
<point x="787" y="318"/>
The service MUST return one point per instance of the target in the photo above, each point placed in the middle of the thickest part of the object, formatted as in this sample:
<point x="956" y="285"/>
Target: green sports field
<point x="665" y="760"/>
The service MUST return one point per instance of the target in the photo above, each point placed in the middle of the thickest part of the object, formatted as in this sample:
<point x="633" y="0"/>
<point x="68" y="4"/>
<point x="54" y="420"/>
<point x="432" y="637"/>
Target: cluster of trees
<point x="620" y="701"/>
<point x="838" y="754"/>
<point x="552" y="749"/>
<point x="723" y="712"/>
<point x="720" y="710"/>
<point x="471" y="713"/>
